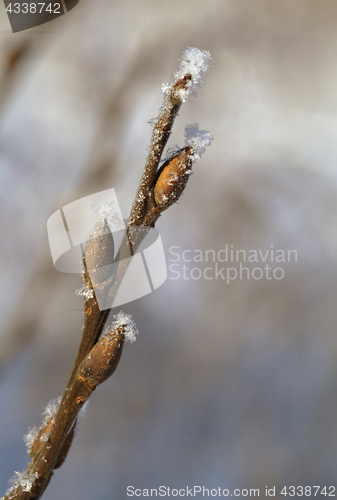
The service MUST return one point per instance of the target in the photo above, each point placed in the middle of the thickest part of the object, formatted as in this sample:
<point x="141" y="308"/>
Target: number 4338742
<point x="308" y="491"/>
<point x="33" y="8"/>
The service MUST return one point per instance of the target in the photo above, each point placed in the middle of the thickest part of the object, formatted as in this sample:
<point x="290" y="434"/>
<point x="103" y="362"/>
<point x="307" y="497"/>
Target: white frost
<point x="30" y="437"/>
<point x="22" y="479"/>
<point x="48" y="414"/>
<point x="127" y="321"/>
<point x="85" y="291"/>
<point x="197" y="139"/>
<point x="50" y="410"/>
<point x="106" y="214"/>
<point x="195" y="63"/>
<point x="83" y="410"/>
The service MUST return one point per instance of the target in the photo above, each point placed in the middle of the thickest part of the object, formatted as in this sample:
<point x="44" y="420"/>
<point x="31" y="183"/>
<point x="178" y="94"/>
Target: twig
<point x="100" y="348"/>
<point x="144" y="206"/>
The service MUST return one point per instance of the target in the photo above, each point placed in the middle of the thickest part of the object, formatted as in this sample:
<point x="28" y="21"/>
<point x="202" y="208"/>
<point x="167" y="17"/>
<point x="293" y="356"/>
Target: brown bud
<point x="99" y="252"/>
<point x="102" y="360"/>
<point x="172" y="179"/>
<point x="41" y="438"/>
<point x="94" y="255"/>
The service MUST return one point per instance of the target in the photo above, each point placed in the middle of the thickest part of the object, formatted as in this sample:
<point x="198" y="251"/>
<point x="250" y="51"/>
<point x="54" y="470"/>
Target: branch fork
<point x="101" y="347"/>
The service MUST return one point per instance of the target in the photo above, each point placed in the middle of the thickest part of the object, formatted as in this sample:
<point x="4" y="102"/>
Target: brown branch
<point x="143" y="208"/>
<point x="98" y="355"/>
<point x="49" y="454"/>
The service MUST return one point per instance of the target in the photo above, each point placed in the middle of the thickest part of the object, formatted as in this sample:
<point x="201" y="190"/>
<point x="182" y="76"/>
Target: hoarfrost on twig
<point x="85" y="291"/>
<point x="83" y="410"/>
<point x="22" y="479"/>
<point x="197" y="139"/>
<point x="50" y="410"/>
<point x="194" y="62"/>
<point x="48" y="414"/>
<point x="30" y="437"/>
<point x="126" y="320"/>
<point x="106" y="214"/>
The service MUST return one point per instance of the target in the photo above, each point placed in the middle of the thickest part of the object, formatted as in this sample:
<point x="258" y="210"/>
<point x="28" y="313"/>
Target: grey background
<point x="227" y="385"/>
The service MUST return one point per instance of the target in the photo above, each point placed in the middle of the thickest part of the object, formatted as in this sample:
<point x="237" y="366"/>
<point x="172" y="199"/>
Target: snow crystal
<point x="125" y="320"/>
<point x="193" y="62"/>
<point x="50" y="410"/>
<point x="106" y="214"/>
<point x="83" y="410"/>
<point x="22" y="479"/>
<point x="30" y="437"/>
<point x="170" y="153"/>
<point x="85" y="291"/>
<point x="197" y="139"/>
<point x="48" y="414"/>
<point x="165" y="88"/>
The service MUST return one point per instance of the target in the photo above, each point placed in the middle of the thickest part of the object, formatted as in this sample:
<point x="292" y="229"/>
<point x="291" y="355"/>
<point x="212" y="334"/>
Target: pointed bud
<point x="103" y="359"/>
<point x="41" y="438"/>
<point x="99" y="252"/>
<point x="172" y="179"/>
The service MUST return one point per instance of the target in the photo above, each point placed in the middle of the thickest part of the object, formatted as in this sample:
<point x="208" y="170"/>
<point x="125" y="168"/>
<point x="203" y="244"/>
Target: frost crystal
<point x="165" y="88"/>
<point x="81" y="414"/>
<point x="48" y="414"/>
<point x="85" y="291"/>
<point x="197" y="139"/>
<point x="30" y="437"/>
<point x="50" y="410"/>
<point x="22" y="479"/>
<point x="83" y="410"/>
<point x="106" y="214"/>
<point x="193" y="62"/>
<point x="125" y="320"/>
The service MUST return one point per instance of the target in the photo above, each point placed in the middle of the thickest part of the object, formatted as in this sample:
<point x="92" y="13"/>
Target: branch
<point x="144" y="205"/>
<point x="101" y="347"/>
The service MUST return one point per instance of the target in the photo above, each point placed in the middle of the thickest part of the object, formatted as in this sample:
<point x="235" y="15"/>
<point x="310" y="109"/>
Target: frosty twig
<point x="101" y="347"/>
<point x="191" y="72"/>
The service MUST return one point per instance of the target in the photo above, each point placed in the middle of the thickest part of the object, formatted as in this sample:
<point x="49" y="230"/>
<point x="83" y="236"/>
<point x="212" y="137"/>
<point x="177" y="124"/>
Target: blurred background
<point x="228" y="385"/>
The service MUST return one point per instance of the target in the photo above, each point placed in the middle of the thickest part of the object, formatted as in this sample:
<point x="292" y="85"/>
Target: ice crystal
<point x="125" y="320"/>
<point x="170" y="153"/>
<point x="85" y="291"/>
<point x="106" y="214"/>
<point x="81" y="413"/>
<point x="83" y="410"/>
<point x="194" y="62"/>
<point x="165" y="88"/>
<point x="50" y="410"/>
<point x="30" y="437"/>
<point x="22" y="479"/>
<point x="197" y="139"/>
<point x="48" y="414"/>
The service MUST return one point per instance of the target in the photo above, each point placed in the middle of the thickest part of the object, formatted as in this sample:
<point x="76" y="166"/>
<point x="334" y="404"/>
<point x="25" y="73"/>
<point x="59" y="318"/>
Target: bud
<point x="172" y="179"/>
<point x="36" y="438"/>
<point x="41" y="438"/>
<point x="99" y="252"/>
<point x="103" y="359"/>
